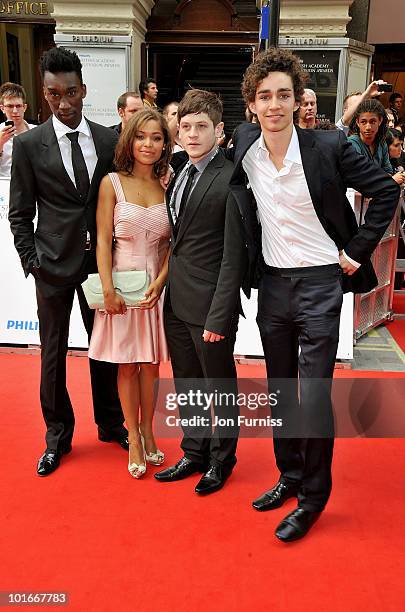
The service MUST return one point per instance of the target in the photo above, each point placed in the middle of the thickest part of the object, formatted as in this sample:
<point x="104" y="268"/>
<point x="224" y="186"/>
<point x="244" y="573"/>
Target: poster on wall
<point x="104" y="72"/>
<point x="357" y="74"/>
<point x="105" y="61"/>
<point x="323" y="70"/>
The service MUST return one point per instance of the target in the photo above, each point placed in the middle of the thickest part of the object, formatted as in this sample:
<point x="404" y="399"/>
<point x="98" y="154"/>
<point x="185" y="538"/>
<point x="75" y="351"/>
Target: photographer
<point x="13" y="105"/>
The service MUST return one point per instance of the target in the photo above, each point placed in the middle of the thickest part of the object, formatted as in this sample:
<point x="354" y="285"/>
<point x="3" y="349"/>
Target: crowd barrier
<point x="375" y="307"/>
<point x="19" y="322"/>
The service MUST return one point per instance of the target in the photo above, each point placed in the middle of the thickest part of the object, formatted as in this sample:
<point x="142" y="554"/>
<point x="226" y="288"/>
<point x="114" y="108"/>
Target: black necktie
<point x="186" y="192"/>
<point x="79" y="166"/>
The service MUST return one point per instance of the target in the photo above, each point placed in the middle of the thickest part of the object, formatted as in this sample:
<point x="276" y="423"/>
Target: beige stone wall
<point x="313" y="17"/>
<point x="298" y="18"/>
<point x="117" y="18"/>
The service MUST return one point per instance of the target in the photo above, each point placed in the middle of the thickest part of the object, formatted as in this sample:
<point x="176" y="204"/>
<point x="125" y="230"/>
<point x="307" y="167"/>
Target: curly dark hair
<point x="371" y="106"/>
<point x="273" y="60"/>
<point x="124" y="159"/>
<point x="59" y="59"/>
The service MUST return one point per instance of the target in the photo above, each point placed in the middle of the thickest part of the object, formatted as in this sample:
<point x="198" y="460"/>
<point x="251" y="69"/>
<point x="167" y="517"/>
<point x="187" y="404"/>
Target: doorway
<point x="218" y="69"/>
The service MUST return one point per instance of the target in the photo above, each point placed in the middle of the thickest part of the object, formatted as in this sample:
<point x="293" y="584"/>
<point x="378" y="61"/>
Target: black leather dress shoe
<point x="275" y="497"/>
<point x="296" y="524"/>
<point x="183" y="468"/>
<point x="50" y="460"/>
<point x="213" y="480"/>
<point x="114" y="436"/>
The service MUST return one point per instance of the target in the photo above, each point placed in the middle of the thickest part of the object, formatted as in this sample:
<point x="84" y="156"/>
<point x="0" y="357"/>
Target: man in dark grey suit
<point x="57" y="169"/>
<point x="202" y="293"/>
<point x="311" y="251"/>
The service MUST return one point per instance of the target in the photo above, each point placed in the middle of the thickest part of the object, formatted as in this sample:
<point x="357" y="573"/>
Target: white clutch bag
<point x="131" y="285"/>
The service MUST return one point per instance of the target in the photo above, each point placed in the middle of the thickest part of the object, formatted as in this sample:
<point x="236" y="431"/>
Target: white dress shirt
<point x="7" y="154"/>
<point x="292" y="235"/>
<point x="85" y="141"/>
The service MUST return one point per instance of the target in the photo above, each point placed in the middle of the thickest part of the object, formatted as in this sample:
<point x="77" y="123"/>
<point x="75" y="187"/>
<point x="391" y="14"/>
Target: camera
<point x="9" y="123"/>
<point x="385" y="87"/>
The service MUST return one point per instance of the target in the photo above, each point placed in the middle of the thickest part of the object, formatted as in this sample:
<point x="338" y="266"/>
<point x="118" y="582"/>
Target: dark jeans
<point x="296" y="312"/>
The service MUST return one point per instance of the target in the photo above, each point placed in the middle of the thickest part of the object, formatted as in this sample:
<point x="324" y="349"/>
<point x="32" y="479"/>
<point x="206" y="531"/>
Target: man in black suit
<point x="202" y="293"/>
<point x="56" y="170"/>
<point x="311" y="251"/>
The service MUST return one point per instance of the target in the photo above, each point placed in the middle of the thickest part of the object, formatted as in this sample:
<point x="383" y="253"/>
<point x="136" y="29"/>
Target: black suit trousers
<point x="207" y="367"/>
<point x="54" y="309"/>
<point x="302" y="313"/>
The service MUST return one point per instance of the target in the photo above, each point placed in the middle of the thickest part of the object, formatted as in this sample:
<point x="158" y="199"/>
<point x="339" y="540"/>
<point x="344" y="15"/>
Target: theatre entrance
<point x="216" y="68"/>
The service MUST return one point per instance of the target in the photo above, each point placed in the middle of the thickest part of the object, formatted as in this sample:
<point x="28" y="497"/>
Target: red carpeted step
<point x="117" y="544"/>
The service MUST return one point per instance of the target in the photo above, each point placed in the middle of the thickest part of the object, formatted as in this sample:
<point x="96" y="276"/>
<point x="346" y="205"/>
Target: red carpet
<point x="397" y="331"/>
<point x="397" y="327"/>
<point x="116" y="544"/>
<point x="399" y="303"/>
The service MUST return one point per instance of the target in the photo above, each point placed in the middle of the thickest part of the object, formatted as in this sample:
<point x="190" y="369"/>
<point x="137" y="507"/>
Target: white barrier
<point x="248" y="341"/>
<point x="18" y="316"/>
<point x="18" y="307"/>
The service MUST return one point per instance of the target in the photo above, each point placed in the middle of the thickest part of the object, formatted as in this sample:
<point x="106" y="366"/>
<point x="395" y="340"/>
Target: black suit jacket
<point x="208" y="257"/>
<point x="331" y="165"/>
<point x="55" y="252"/>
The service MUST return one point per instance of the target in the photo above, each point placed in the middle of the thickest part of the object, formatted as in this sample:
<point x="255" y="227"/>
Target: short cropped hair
<point x="124" y="159"/>
<point x="12" y="90"/>
<point x="122" y="100"/>
<point x="167" y="106"/>
<point x="309" y="92"/>
<point x="394" y="96"/>
<point x="59" y="59"/>
<point x="201" y="101"/>
<point x="273" y="60"/>
<point x="143" y="85"/>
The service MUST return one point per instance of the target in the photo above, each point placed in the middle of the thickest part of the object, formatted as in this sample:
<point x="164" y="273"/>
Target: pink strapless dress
<point x="141" y="242"/>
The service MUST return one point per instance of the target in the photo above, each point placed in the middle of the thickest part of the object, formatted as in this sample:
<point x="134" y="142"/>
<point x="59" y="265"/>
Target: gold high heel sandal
<point x="156" y="458"/>
<point x="137" y="469"/>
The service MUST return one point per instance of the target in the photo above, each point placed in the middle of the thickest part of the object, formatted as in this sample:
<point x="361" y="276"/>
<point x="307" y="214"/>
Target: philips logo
<point x="23" y="325"/>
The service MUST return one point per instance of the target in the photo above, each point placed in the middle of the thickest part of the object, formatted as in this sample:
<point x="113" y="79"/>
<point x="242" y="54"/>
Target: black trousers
<point x="296" y="312"/>
<point x="54" y="309"/>
<point x="207" y="367"/>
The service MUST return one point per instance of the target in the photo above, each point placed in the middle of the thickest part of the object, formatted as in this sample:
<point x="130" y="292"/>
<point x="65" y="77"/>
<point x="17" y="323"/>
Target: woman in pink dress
<point x="131" y="207"/>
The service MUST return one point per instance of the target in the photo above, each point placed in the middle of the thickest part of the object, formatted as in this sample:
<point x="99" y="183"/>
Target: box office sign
<point x="24" y="10"/>
<point x="323" y="69"/>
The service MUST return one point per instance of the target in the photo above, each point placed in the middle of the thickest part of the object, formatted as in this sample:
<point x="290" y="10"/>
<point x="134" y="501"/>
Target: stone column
<point x="322" y="18"/>
<point x="114" y="17"/>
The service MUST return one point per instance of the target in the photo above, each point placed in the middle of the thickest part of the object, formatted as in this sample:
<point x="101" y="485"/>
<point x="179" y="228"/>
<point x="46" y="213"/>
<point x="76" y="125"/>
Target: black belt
<point x="304" y="272"/>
